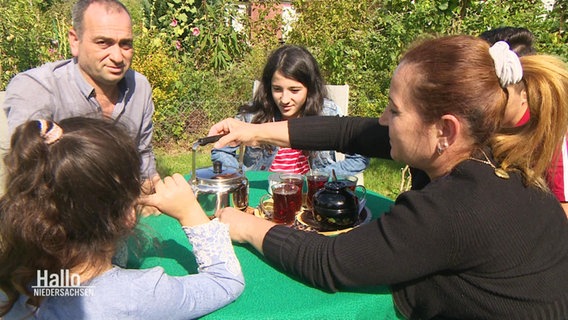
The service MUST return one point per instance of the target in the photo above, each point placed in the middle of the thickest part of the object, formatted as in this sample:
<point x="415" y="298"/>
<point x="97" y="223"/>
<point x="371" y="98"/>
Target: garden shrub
<point x="32" y="32"/>
<point x="359" y="43"/>
<point x="202" y="68"/>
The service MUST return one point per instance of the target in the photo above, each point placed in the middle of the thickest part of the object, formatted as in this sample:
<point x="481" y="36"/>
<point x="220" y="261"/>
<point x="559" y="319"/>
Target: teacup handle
<point x="361" y="193"/>
<point x="267" y="213"/>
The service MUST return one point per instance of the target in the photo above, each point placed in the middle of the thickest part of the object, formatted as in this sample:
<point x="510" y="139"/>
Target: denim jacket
<point x="260" y="159"/>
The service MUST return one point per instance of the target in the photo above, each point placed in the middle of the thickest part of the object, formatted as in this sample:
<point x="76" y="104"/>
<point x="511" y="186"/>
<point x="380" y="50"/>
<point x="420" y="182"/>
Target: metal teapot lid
<point x="217" y="175"/>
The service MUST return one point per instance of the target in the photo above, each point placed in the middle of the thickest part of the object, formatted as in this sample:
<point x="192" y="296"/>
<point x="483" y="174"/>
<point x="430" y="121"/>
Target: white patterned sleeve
<point x="213" y="249"/>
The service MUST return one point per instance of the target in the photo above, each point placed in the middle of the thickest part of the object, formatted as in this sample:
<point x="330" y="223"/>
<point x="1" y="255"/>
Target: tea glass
<point x="285" y="201"/>
<point x="296" y="179"/>
<point x="316" y="180"/>
<point x="350" y="181"/>
<point x="272" y="180"/>
<point x="359" y="190"/>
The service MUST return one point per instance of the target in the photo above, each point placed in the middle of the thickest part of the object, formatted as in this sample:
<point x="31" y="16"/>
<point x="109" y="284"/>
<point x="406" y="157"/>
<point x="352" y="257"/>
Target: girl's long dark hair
<point x="294" y="62"/>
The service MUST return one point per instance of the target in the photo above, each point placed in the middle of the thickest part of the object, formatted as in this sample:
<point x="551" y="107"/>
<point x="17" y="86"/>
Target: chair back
<point x="340" y="95"/>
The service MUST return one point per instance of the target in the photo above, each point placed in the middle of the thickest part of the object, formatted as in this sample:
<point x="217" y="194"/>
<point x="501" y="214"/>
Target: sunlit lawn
<point x="382" y="176"/>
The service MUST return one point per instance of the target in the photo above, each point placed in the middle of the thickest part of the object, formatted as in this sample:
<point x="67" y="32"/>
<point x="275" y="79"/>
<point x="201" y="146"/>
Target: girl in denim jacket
<point x="291" y="87"/>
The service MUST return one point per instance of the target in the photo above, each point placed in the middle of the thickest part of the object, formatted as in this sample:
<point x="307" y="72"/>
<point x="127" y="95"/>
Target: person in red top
<point x="521" y="42"/>
<point x="291" y="86"/>
<point x="290" y="160"/>
<point x="517" y="114"/>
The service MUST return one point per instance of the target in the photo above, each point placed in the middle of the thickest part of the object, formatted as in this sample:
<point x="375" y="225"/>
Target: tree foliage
<point x="31" y="32"/>
<point x="202" y="56"/>
<point x="359" y="42"/>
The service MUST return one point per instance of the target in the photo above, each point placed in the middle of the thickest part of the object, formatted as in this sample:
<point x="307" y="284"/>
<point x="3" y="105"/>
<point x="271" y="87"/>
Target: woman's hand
<point x="174" y="197"/>
<point x="238" y="132"/>
<point x="250" y="134"/>
<point x="245" y="227"/>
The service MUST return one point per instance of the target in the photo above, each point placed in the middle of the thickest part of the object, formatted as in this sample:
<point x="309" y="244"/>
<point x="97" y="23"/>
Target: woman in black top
<point x="485" y="238"/>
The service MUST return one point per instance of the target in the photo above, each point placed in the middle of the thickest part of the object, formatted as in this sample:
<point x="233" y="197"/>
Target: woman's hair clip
<point x="507" y="64"/>
<point x="49" y="134"/>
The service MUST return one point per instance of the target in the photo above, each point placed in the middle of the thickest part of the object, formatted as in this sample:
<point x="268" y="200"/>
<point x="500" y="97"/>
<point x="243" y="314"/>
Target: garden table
<point x="268" y="294"/>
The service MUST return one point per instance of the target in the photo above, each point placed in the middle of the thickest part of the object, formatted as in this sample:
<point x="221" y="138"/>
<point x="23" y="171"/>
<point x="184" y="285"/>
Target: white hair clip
<point x="507" y="64"/>
<point x="52" y="135"/>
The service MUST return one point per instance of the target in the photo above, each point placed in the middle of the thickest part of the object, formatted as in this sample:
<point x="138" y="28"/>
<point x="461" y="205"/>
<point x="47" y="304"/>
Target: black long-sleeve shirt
<point x="344" y="134"/>
<point x="359" y="132"/>
<point x="469" y="245"/>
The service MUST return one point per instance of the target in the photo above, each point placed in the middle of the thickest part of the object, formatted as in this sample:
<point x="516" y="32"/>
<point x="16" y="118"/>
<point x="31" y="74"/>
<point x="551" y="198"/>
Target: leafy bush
<point x="163" y="71"/>
<point x="359" y="43"/>
<point x="32" y="32"/>
<point x="205" y="29"/>
<point x="202" y="75"/>
<point x="202" y="69"/>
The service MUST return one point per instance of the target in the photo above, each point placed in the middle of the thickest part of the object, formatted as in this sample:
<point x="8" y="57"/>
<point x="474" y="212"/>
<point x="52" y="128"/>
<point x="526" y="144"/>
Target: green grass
<point x="168" y="164"/>
<point x="382" y="176"/>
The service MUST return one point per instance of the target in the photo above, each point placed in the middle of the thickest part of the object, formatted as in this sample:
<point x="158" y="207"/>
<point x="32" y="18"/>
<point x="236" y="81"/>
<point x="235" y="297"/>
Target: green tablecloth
<point x="268" y="294"/>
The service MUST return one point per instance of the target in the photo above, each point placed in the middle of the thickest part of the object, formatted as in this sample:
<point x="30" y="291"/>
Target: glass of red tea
<point x="296" y="179"/>
<point x="285" y="203"/>
<point x="315" y="180"/>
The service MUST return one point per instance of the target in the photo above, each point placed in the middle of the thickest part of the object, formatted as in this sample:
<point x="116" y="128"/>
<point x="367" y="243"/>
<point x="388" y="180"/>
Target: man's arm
<point x="148" y="158"/>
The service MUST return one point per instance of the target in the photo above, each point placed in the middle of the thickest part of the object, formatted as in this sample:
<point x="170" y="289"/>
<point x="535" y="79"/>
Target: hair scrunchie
<point x="507" y="64"/>
<point x="49" y="135"/>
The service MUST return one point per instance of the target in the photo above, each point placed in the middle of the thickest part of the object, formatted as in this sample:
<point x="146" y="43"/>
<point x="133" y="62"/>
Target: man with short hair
<point x="97" y="81"/>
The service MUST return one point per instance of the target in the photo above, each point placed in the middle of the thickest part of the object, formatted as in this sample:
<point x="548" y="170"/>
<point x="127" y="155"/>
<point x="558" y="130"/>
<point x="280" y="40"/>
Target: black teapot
<point x="336" y="206"/>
